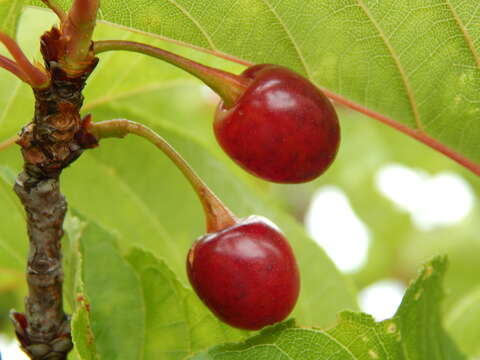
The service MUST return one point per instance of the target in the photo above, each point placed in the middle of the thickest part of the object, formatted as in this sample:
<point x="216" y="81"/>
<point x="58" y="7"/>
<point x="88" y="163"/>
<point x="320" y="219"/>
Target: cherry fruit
<point x="245" y="274"/>
<point x="282" y="128"/>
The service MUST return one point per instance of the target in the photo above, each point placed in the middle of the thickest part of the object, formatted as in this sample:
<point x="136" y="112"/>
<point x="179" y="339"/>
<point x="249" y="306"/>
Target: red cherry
<point x="245" y="274"/>
<point x="282" y="128"/>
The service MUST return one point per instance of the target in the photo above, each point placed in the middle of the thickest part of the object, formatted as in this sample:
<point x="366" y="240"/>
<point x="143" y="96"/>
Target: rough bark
<point x="53" y="140"/>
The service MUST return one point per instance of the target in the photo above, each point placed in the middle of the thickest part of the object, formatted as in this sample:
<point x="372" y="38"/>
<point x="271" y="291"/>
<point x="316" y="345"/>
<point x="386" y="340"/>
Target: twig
<point x="49" y="144"/>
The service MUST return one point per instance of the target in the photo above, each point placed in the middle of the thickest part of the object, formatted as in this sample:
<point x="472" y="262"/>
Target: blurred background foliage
<point x="132" y="190"/>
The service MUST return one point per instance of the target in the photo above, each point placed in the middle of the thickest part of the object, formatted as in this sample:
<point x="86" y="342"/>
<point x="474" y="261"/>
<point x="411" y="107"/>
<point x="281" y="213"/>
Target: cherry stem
<point x="12" y="66"/>
<point x="78" y="27"/>
<point x="9" y="142"/>
<point x="227" y="85"/>
<point x="218" y="216"/>
<point x="56" y="8"/>
<point x="33" y="75"/>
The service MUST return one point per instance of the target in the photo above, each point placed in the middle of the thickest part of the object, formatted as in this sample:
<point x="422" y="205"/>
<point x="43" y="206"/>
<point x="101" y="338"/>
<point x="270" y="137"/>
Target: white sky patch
<point x="381" y="299"/>
<point x="432" y="201"/>
<point x="333" y="224"/>
<point x="10" y="350"/>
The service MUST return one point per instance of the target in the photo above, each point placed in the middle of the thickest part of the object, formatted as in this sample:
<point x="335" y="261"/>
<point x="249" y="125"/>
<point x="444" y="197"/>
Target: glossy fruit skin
<point x="282" y="129"/>
<point x="246" y="275"/>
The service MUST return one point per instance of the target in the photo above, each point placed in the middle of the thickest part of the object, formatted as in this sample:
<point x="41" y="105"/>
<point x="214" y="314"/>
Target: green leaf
<point x="463" y="323"/>
<point x="356" y="336"/>
<point x="419" y="316"/>
<point x="9" y="14"/>
<point x="177" y="323"/>
<point x="117" y="311"/>
<point x="82" y="334"/>
<point x="415" y="332"/>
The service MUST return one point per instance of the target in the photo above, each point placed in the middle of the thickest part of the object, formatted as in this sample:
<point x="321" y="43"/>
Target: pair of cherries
<point x="282" y="129"/>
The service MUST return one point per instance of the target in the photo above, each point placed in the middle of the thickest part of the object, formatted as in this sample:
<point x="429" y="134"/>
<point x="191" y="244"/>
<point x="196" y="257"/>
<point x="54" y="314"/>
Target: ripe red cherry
<point x="282" y="128"/>
<point x="245" y="274"/>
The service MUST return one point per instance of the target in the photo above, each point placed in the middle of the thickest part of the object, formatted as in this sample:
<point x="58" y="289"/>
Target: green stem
<point x="78" y="28"/>
<point x="218" y="216"/>
<point x="228" y="86"/>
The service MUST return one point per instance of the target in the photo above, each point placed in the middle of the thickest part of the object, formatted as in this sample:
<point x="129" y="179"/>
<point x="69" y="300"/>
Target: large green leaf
<point x="417" y="62"/>
<point x="415" y="332"/>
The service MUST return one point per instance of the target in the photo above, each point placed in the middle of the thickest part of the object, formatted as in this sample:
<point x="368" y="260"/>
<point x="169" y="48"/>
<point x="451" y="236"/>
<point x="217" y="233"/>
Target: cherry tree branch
<point x="49" y="144"/>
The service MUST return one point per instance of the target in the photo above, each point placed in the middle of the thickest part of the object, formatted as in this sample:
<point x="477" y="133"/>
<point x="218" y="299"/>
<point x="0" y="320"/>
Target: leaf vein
<point x="464" y="31"/>
<point x="290" y="37"/>
<point x="196" y="23"/>
<point x="342" y="346"/>
<point x="398" y="64"/>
